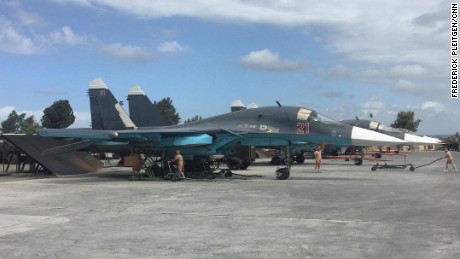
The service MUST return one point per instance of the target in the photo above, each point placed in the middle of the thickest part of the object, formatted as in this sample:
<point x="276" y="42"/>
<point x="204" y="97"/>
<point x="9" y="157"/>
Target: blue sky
<point x="342" y="58"/>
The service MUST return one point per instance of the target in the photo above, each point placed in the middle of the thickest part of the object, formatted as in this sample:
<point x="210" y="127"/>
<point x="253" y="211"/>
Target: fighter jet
<point x="272" y="126"/>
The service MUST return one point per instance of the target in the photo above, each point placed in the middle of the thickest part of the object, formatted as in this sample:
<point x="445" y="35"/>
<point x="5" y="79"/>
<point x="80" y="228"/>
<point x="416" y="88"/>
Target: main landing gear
<point x="283" y="173"/>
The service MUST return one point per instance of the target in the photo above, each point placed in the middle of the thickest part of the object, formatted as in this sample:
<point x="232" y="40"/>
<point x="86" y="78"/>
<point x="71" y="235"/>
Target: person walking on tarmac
<point x="137" y="163"/>
<point x="317" y="155"/>
<point x="449" y="160"/>
<point x="179" y="162"/>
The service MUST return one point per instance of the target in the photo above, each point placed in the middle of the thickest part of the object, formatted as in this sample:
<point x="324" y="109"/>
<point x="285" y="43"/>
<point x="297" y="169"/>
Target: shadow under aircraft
<point x="273" y="126"/>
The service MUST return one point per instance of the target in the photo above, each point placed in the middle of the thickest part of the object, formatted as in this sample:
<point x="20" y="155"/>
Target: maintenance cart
<point x="387" y="166"/>
<point x="402" y="166"/>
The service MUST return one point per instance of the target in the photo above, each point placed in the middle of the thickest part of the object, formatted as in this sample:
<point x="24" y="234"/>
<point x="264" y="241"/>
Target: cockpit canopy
<point x="304" y="114"/>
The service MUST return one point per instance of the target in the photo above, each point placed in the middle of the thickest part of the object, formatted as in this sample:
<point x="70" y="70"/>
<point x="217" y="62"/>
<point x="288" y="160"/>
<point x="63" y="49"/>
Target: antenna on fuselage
<point x="279" y="104"/>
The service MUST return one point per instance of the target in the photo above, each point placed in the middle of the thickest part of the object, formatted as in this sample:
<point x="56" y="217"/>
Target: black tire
<point x="373" y="168"/>
<point x="228" y="174"/>
<point x="282" y="173"/>
<point x="412" y="168"/>
<point x="234" y="163"/>
<point x="300" y="159"/>
<point x="276" y="160"/>
<point x="358" y="161"/>
<point x="244" y="165"/>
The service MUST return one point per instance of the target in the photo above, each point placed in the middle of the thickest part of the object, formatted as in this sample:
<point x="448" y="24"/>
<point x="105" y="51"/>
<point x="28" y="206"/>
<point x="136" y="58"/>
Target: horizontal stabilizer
<point x="70" y="163"/>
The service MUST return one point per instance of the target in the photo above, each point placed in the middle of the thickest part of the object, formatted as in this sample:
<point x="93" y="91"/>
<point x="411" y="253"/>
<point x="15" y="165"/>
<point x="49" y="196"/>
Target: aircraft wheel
<point x="373" y="168"/>
<point x="276" y="160"/>
<point x="244" y="165"/>
<point x="282" y="173"/>
<point x="228" y="174"/>
<point x="300" y="159"/>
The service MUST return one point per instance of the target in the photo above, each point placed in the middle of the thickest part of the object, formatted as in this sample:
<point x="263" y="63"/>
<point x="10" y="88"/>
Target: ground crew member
<point x="449" y="160"/>
<point x="179" y="162"/>
<point x="317" y="155"/>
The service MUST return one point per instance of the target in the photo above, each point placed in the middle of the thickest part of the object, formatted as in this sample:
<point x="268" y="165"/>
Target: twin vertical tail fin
<point x="106" y="111"/>
<point x="142" y="111"/>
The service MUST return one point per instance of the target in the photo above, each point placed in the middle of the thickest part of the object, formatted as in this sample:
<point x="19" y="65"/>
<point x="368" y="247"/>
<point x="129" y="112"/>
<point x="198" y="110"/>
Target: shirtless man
<point x="179" y="162"/>
<point x="317" y="155"/>
<point x="449" y="160"/>
<point x="137" y="163"/>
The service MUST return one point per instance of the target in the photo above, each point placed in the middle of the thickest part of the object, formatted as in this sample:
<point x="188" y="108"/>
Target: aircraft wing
<point x="175" y="136"/>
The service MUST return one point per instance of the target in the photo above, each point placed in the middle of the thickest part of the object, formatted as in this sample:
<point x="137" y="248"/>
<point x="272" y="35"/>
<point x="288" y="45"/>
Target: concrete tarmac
<point x="346" y="211"/>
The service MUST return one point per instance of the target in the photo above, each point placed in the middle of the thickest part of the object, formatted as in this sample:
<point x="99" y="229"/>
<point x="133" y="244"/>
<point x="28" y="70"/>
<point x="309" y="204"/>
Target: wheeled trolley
<point x="387" y="166"/>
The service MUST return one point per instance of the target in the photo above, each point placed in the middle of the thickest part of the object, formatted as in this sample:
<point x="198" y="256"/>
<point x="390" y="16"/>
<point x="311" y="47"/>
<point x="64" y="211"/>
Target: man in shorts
<point x="449" y="160"/>
<point x="179" y="162"/>
<point x="138" y="160"/>
<point x="317" y="155"/>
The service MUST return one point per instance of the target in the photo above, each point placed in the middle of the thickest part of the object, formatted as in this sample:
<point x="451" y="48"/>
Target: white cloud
<point x="127" y="53"/>
<point x="13" y="40"/>
<point x="433" y="106"/>
<point x="29" y="19"/>
<point x="66" y="36"/>
<point x="404" y="39"/>
<point x="171" y="47"/>
<point x="267" y="60"/>
<point x="405" y="86"/>
<point x="78" y="2"/>
<point x="373" y="104"/>
<point x="351" y="28"/>
<point x="407" y="70"/>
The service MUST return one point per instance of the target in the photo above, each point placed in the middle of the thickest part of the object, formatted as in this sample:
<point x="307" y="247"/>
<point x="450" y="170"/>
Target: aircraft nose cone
<point x="364" y="137"/>
<point x="431" y="140"/>
<point x="416" y="139"/>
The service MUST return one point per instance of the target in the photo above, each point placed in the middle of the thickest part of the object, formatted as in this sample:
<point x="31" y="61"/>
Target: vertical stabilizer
<point x="142" y="111"/>
<point x="106" y="111"/>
